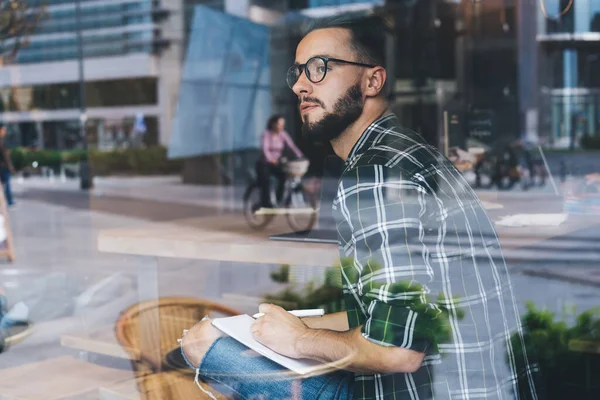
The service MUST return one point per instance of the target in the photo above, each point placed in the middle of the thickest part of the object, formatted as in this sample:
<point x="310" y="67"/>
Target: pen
<point x="319" y="312"/>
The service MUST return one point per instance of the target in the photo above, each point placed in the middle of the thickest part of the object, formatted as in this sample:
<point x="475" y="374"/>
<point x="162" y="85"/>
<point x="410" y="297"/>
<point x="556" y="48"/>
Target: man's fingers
<point x="265" y="308"/>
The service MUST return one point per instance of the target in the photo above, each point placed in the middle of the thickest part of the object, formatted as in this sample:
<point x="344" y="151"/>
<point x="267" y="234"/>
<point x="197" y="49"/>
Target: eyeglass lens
<point x="315" y="70"/>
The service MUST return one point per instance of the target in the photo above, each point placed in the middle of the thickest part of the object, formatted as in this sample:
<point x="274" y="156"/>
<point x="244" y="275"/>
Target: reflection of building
<point x="132" y="51"/>
<point x="488" y="76"/>
<point x="39" y="92"/>
<point x="569" y="41"/>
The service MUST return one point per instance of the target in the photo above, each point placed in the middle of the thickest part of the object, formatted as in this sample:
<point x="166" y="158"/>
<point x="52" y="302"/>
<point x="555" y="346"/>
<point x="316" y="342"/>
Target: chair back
<point x="150" y="329"/>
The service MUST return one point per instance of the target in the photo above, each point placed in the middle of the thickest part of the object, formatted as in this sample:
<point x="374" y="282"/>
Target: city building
<point x="133" y="52"/>
<point x="569" y="71"/>
<point x="123" y="51"/>
<point x="132" y="55"/>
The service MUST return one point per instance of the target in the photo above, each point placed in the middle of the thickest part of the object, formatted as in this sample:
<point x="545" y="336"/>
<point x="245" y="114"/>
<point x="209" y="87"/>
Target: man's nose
<point x="302" y="85"/>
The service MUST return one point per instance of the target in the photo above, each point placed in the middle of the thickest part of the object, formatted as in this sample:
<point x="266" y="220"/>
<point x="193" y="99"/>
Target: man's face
<point x="330" y="106"/>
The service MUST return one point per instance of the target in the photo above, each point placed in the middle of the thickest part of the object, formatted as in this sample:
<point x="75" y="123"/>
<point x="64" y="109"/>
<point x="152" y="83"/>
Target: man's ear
<point x="376" y="81"/>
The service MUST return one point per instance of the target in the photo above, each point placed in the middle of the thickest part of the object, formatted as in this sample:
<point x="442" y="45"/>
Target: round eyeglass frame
<point x="295" y="71"/>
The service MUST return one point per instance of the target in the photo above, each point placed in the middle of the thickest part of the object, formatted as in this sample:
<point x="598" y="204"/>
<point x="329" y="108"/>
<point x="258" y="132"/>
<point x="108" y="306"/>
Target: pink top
<point x="274" y="143"/>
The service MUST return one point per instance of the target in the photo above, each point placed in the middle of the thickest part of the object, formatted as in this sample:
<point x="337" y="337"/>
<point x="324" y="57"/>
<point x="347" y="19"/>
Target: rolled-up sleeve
<point x="385" y="215"/>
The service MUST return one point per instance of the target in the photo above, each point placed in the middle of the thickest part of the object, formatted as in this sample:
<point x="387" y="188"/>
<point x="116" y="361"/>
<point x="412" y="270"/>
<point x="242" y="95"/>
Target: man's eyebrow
<point x="313" y="56"/>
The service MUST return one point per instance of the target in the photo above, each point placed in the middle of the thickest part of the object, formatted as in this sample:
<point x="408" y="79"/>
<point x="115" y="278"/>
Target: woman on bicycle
<point x="274" y="141"/>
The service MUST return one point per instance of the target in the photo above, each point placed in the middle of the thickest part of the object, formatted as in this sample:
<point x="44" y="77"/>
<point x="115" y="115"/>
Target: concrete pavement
<point x="572" y="257"/>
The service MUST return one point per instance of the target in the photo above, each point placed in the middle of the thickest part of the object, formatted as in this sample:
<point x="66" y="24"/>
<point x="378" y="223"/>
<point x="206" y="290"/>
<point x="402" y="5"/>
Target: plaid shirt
<point x="422" y="269"/>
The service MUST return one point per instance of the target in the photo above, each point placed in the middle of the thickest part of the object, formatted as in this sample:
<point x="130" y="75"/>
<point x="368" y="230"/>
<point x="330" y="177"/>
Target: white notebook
<point x="239" y="328"/>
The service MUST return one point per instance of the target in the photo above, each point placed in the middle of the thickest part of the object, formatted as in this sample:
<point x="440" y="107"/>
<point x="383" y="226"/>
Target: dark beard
<point x="345" y="111"/>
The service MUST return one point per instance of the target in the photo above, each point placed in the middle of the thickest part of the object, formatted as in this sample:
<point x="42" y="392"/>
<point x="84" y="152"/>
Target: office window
<point x="112" y="93"/>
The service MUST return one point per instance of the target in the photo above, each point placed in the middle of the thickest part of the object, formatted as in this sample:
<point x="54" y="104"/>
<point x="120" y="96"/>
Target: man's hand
<point x="198" y="340"/>
<point x="279" y="330"/>
<point x="334" y="322"/>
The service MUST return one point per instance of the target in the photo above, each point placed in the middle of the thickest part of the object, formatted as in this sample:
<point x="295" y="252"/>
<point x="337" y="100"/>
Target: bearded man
<point x="429" y="309"/>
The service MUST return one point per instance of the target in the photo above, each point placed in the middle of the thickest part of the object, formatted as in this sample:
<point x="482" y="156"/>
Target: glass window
<point x="65" y="48"/>
<point x="111" y="93"/>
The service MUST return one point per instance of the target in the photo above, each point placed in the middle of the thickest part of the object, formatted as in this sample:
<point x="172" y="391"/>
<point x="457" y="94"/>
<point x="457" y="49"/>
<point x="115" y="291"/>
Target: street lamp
<point x="85" y="173"/>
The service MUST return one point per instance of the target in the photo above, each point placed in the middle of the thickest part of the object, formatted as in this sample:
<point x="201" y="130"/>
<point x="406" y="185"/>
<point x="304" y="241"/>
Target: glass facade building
<point x="108" y="28"/>
<point x="122" y="46"/>
<point x="569" y="39"/>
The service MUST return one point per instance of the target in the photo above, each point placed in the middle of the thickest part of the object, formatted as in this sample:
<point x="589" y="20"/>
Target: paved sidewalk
<point x="170" y="189"/>
<point x="167" y="189"/>
<point x="166" y="198"/>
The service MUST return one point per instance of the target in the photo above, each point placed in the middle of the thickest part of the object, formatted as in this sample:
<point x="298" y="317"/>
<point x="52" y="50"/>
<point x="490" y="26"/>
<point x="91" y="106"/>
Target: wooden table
<point x="57" y="378"/>
<point x="228" y="238"/>
<point x="100" y="341"/>
<point x="222" y="238"/>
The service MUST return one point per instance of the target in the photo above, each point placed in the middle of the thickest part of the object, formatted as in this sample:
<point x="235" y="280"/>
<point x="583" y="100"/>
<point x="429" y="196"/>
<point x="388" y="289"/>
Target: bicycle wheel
<point x="251" y="205"/>
<point x="302" y="209"/>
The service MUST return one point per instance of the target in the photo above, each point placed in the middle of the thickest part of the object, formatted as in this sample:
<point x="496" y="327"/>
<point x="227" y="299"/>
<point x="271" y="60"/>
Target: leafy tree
<point x="18" y="20"/>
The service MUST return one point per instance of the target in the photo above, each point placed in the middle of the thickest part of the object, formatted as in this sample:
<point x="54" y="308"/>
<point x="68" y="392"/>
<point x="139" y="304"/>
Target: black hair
<point x="367" y="34"/>
<point x="273" y="120"/>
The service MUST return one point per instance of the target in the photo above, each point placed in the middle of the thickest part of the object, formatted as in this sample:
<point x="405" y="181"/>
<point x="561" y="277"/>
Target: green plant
<point x="589" y="142"/>
<point x="146" y="161"/>
<point x="325" y="296"/>
<point x="328" y="296"/>
<point x="283" y="275"/>
<point x="435" y="325"/>
<point x="17" y="157"/>
<point x="565" y="366"/>
<point x="43" y="158"/>
<point x="73" y="156"/>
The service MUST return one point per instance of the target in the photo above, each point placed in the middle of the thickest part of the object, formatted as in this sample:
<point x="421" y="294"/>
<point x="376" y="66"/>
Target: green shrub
<point x="283" y="275"/>
<point x="109" y="162"/>
<point x="588" y="142"/>
<point x="73" y="156"/>
<point x="44" y="158"/>
<point x="17" y="157"/>
<point x="564" y="372"/>
<point x="146" y="161"/>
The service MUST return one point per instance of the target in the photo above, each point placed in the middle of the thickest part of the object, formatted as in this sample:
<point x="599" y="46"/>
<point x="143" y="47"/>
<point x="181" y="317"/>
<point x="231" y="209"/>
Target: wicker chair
<point x="141" y="328"/>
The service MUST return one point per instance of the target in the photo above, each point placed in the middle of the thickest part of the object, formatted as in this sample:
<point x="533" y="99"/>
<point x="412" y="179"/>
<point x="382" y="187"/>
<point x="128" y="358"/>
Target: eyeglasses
<point x="316" y="69"/>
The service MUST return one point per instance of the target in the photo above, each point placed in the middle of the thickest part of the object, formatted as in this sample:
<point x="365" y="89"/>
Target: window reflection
<point x="110" y="93"/>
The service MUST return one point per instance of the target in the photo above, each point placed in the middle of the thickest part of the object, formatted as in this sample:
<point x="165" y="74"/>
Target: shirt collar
<point x="366" y="139"/>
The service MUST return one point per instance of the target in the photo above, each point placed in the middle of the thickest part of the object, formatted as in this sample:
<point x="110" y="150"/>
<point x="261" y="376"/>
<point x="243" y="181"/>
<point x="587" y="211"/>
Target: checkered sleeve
<point x="391" y="266"/>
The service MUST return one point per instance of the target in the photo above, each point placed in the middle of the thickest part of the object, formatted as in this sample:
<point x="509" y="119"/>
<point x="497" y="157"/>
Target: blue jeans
<point x="5" y="178"/>
<point x="233" y="369"/>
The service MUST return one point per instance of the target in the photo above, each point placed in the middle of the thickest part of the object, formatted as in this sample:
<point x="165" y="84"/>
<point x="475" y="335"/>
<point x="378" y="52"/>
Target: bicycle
<point x="298" y="202"/>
